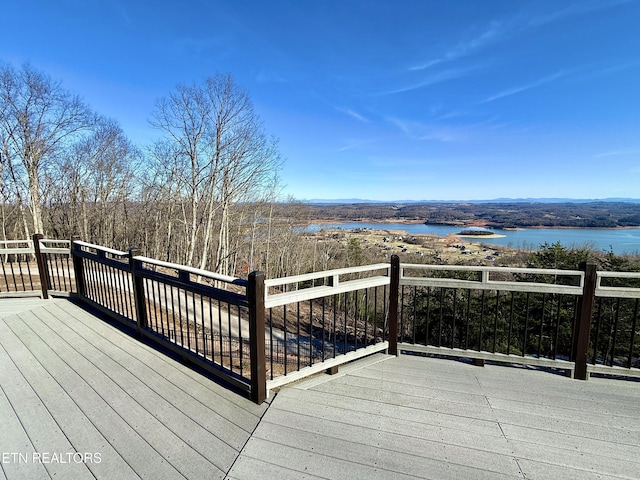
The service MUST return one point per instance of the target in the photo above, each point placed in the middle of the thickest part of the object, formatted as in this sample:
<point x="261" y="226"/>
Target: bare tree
<point x="219" y="157"/>
<point x="163" y="199"/>
<point x="93" y="184"/>
<point x="37" y="119"/>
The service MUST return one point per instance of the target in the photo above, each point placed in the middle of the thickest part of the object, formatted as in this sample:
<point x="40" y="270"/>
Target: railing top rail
<point x="17" y="250"/>
<point x="101" y="248"/>
<point x="272" y="282"/>
<point x="6" y="243"/>
<point x="194" y="271"/>
<point x="46" y="241"/>
<point x="55" y="240"/>
<point x="486" y="283"/>
<point x="469" y="268"/>
<point x="26" y="246"/>
<point x="617" y="291"/>
<point x="619" y="274"/>
<point x="61" y="246"/>
<point x="16" y="247"/>
<point x="493" y="285"/>
<point x="275" y="300"/>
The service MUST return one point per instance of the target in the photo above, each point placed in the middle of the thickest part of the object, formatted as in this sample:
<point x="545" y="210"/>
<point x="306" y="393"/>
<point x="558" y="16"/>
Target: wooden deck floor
<point x="411" y="417"/>
<point x="70" y="383"/>
<point x="75" y="389"/>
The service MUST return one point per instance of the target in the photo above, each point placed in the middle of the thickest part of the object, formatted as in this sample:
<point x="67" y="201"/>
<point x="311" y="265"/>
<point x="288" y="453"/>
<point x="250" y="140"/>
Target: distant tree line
<point x="494" y="215"/>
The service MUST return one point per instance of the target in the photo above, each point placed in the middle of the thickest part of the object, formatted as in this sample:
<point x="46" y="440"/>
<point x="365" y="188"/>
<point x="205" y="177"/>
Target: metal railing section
<point x="615" y="342"/>
<point x="104" y="280"/>
<point x="58" y="265"/>
<point x="317" y="321"/>
<point x="515" y="315"/>
<point x="20" y="273"/>
<point x="36" y="266"/>
<point x="202" y="312"/>
<point x="197" y="314"/>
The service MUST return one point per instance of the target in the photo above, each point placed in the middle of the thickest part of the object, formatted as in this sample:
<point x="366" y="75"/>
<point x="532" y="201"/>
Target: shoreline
<point x="621" y="241"/>
<point x="507" y="229"/>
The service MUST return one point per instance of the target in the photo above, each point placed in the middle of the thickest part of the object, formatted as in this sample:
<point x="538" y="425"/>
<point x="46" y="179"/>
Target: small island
<point x="476" y="232"/>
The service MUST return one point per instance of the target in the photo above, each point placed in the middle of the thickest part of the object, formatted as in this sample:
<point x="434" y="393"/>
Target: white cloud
<point x="525" y="87"/>
<point x="432" y="79"/>
<point x="423" y="131"/>
<point x="617" y="153"/>
<point x="578" y="8"/>
<point x="352" y="114"/>
<point x="352" y="143"/>
<point x="495" y="32"/>
<point x="444" y="133"/>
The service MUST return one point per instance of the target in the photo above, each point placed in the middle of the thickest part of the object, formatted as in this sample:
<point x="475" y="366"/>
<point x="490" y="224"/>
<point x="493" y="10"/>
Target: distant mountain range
<point x="495" y="200"/>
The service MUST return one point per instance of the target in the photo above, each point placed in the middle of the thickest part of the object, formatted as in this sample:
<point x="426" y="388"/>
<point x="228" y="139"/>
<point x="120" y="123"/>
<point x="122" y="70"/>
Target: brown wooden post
<point x="255" y="296"/>
<point x="78" y="269"/>
<point x="42" y="265"/>
<point x="394" y="291"/>
<point x="584" y="314"/>
<point x="138" y="294"/>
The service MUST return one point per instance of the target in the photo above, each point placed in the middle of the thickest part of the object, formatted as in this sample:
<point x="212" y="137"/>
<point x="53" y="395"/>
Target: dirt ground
<point x="423" y="248"/>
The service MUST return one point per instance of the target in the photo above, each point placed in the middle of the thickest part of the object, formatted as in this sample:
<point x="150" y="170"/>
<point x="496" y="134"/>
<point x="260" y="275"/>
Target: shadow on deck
<point x="80" y="399"/>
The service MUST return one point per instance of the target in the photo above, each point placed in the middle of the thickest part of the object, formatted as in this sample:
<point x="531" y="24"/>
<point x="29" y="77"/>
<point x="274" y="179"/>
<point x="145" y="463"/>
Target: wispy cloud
<point x="352" y="144"/>
<point x="400" y="163"/>
<point x="494" y="32"/>
<point x="502" y="29"/>
<point x="439" y="132"/>
<point x="432" y="79"/>
<point x="578" y="8"/>
<point x="124" y="15"/>
<point x="352" y="114"/>
<point x="618" y="153"/>
<point x="522" y="88"/>
<point x="426" y="131"/>
<point x="601" y="70"/>
<point x="427" y="64"/>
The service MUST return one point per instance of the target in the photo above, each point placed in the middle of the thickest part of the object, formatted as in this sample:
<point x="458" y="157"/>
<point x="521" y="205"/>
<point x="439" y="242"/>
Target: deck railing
<point x="259" y="334"/>
<point x="320" y="320"/>
<point x="37" y="266"/>
<point x="200" y="315"/>
<point x="514" y="315"/>
<point x="615" y="328"/>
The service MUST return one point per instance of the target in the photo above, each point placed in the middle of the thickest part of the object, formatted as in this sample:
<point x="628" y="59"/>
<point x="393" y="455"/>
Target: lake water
<point x="621" y="240"/>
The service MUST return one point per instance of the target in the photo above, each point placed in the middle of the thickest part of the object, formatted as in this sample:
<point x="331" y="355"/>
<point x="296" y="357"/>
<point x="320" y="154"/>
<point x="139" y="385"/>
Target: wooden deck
<point x="75" y="389"/>
<point x="413" y="417"/>
<point x="71" y="384"/>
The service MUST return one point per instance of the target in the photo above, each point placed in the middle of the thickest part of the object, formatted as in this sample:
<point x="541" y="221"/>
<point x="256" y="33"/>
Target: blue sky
<point x="375" y="99"/>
